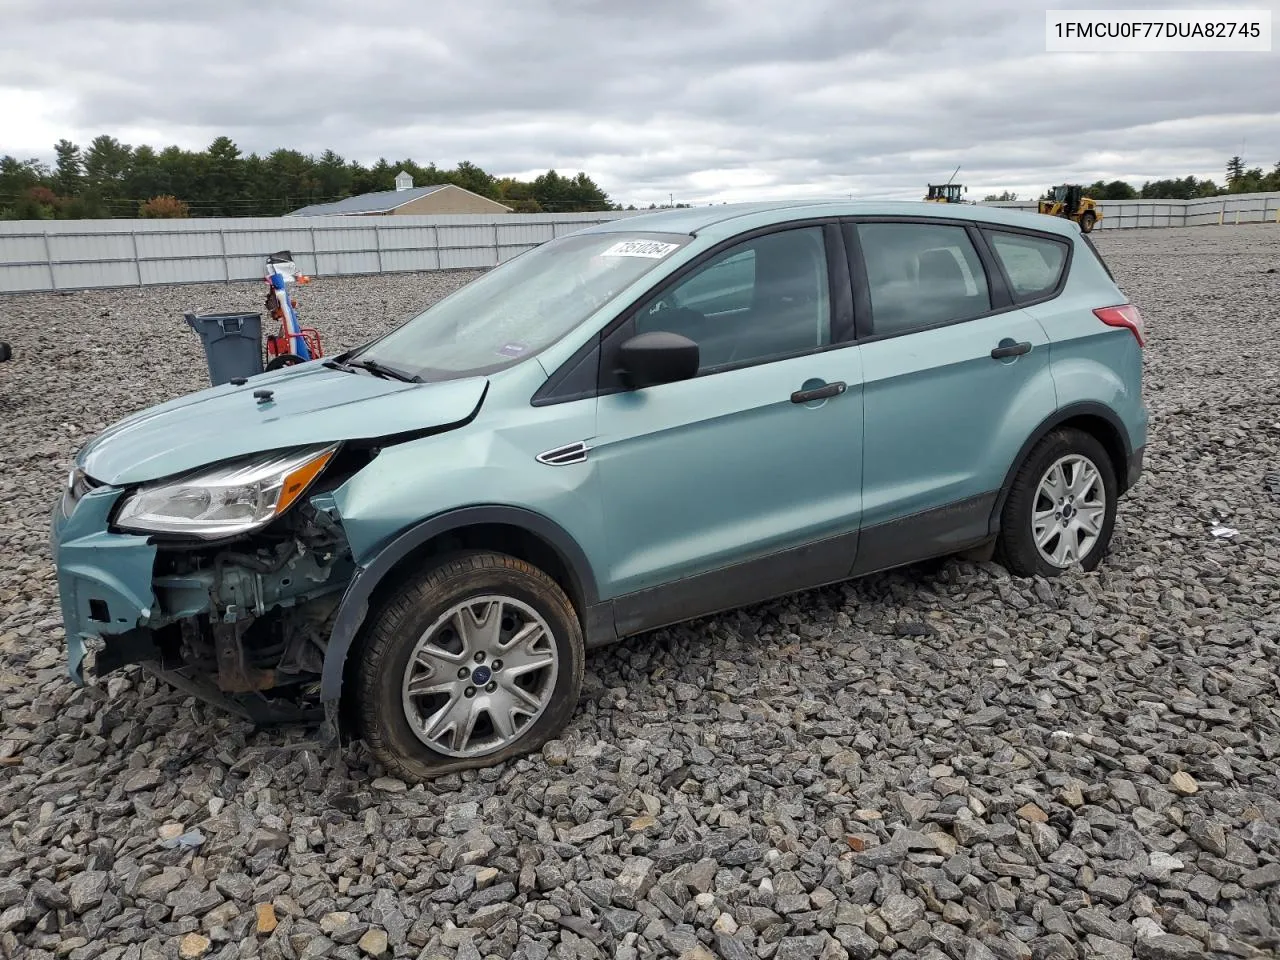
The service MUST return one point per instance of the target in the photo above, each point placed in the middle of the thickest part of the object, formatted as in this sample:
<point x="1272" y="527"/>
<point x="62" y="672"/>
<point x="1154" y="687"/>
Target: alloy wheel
<point x="479" y="676"/>
<point x="1069" y="510"/>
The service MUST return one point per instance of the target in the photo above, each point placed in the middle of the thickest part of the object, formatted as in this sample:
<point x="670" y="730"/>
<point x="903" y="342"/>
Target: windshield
<point x="521" y="307"/>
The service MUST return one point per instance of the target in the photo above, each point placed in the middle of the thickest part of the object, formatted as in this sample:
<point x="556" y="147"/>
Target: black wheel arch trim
<point x="354" y="606"/>
<point x="1070" y="412"/>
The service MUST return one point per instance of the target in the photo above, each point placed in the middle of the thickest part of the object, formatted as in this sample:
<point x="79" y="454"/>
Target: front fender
<point x="354" y="606"/>
<point x="484" y="473"/>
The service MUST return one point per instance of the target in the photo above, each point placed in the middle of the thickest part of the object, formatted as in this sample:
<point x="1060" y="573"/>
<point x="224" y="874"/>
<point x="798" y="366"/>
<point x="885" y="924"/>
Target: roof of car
<point x="733" y="217"/>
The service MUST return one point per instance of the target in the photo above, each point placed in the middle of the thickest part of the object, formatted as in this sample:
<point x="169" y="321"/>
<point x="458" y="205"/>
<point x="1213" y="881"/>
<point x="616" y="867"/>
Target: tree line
<point x="114" y="179"/>
<point x="1238" y="180"/>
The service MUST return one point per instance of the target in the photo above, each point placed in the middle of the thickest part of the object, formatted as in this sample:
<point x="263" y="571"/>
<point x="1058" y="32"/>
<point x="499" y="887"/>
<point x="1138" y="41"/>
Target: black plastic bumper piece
<point x="123" y="649"/>
<point x="254" y="707"/>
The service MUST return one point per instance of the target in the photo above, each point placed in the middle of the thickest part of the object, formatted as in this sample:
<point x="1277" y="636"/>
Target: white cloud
<point x="708" y="100"/>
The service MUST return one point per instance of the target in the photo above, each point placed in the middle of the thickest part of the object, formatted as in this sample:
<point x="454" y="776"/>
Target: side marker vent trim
<point x="564" y="456"/>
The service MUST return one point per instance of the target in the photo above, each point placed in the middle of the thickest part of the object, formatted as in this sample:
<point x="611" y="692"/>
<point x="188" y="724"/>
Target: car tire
<point x="1065" y="529"/>
<point x="439" y="625"/>
<point x="1087" y="221"/>
<point x="281" y="360"/>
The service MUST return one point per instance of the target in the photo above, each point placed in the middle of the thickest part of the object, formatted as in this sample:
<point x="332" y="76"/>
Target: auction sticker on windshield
<point x="652" y="249"/>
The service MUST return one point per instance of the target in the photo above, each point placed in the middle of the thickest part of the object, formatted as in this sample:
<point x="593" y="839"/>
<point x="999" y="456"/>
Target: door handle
<point x="1010" y="350"/>
<point x="819" y="393"/>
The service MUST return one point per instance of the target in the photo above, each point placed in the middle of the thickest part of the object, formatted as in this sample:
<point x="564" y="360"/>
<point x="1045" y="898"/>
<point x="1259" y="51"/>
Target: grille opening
<point x="98" y="611"/>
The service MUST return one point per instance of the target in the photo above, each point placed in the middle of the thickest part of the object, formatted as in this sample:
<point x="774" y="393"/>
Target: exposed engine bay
<point x="248" y="617"/>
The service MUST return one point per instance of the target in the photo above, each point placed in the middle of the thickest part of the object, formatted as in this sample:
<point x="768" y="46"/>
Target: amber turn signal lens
<point x="298" y="481"/>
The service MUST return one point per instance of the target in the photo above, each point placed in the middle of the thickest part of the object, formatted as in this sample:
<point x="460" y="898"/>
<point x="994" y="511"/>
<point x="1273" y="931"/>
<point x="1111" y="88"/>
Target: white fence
<point x="53" y="255"/>
<point x="1129" y="214"/>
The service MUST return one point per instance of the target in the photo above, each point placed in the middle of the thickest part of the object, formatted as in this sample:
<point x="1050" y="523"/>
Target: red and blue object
<point x="294" y="343"/>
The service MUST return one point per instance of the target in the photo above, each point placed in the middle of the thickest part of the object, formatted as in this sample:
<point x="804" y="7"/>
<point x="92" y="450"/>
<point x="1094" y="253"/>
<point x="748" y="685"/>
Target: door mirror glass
<point x="658" y="357"/>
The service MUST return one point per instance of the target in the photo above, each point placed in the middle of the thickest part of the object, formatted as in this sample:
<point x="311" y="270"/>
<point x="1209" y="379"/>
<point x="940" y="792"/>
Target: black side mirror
<point x="658" y="357"/>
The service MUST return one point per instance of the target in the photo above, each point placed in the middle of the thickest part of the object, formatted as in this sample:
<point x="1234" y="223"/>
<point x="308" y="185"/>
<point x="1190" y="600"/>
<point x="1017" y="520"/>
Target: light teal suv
<point x="644" y="422"/>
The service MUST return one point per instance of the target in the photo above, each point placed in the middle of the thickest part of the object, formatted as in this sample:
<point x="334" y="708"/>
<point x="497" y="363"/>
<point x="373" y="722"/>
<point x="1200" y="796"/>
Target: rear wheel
<point x="1061" y="509"/>
<point x="477" y="660"/>
<point x="1088" y="220"/>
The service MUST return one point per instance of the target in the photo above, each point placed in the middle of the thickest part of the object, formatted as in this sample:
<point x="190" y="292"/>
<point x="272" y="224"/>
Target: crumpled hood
<point x="310" y="404"/>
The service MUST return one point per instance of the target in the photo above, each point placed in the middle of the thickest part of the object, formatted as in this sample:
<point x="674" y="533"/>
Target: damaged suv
<point x="643" y="422"/>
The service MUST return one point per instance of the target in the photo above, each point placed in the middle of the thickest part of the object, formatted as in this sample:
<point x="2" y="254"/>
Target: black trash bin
<point x="232" y="343"/>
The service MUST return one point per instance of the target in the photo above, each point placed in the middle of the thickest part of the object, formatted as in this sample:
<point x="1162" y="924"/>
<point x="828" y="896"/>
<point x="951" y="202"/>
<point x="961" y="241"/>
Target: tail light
<point x="1125" y="315"/>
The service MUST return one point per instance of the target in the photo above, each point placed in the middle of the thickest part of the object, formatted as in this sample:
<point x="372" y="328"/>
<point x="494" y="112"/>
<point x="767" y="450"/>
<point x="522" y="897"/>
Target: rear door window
<point x="1033" y="264"/>
<point x="921" y="275"/>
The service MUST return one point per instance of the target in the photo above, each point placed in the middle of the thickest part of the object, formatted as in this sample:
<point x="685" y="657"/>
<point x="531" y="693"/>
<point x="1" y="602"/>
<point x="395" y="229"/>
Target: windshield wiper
<point x="378" y="370"/>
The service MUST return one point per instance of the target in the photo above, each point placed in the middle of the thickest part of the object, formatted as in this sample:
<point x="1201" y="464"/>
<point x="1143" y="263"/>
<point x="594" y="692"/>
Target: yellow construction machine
<point x="946" y="192"/>
<point x="1068" y="200"/>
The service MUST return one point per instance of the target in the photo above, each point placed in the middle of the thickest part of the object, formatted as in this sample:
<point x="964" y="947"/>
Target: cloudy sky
<point x="704" y="100"/>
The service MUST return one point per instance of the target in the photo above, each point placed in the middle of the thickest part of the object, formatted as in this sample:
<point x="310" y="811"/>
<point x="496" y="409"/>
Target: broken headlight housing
<point x="226" y="500"/>
<point x="78" y="484"/>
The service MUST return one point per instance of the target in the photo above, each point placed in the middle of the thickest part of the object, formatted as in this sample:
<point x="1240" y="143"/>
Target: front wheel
<point x="281" y="360"/>
<point x="1087" y="221"/>
<point x="477" y="660"/>
<point x="1061" y="509"/>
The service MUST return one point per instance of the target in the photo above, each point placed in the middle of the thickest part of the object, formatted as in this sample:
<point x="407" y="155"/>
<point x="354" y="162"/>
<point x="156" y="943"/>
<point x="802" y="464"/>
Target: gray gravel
<point x="938" y="763"/>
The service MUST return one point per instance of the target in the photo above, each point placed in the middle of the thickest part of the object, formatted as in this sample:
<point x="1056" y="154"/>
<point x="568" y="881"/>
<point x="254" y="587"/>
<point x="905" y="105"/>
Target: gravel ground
<point x="939" y="763"/>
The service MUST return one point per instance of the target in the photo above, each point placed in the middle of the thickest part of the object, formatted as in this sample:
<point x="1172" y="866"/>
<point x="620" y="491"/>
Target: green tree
<point x="69" y="169"/>
<point x="381" y="176"/>
<point x="470" y="177"/>
<point x="558" y="194"/>
<point x="333" y="176"/>
<point x="1249" y="181"/>
<point x="1003" y="196"/>
<point x="1187" y="188"/>
<point x="518" y="195"/>
<point x="1235" y="170"/>
<point x="180" y="173"/>
<point x="146" y="177"/>
<point x="18" y="176"/>
<point x="1113" y="190"/>
<point x="289" y="182"/>
<point x="106" y="164"/>
<point x="224" y="179"/>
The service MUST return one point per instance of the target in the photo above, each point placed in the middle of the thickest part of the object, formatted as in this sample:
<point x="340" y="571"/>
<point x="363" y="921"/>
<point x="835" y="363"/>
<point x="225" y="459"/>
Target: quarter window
<point x="920" y="275"/>
<point x="1032" y="264"/>
<point x="764" y="298"/>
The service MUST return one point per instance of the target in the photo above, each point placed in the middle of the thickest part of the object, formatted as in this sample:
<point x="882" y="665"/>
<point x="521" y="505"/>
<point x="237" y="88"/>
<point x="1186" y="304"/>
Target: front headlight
<point x="227" y="500"/>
